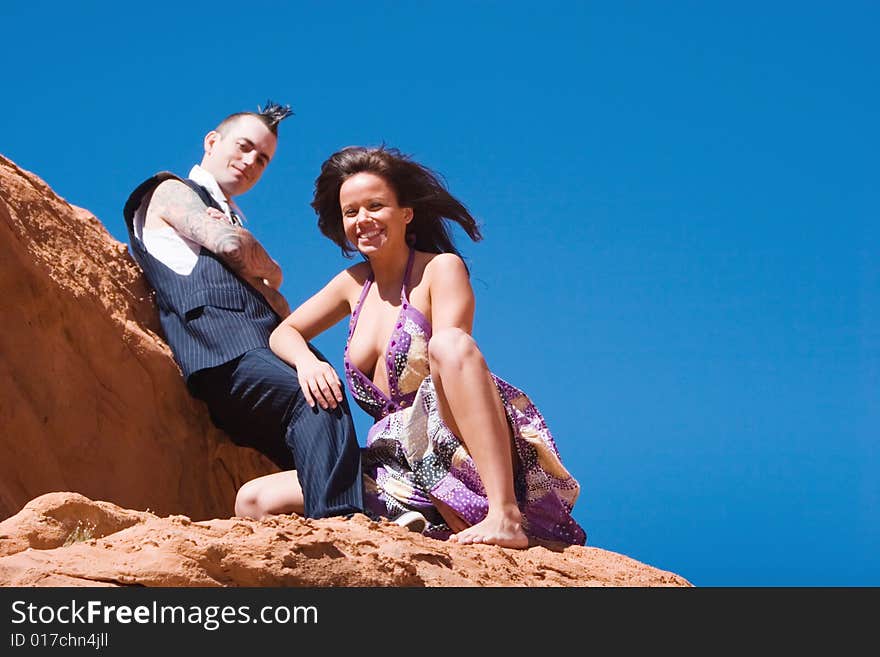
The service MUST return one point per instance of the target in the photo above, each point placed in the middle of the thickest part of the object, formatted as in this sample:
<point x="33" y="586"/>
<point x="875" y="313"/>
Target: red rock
<point x="91" y="401"/>
<point x="135" y="548"/>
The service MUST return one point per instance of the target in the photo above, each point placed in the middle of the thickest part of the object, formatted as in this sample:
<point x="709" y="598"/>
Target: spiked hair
<point x="271" y="115"/>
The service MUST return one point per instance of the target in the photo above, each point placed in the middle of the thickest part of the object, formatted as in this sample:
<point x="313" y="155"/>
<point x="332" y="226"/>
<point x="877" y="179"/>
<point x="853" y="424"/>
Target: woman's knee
<point x="452" y="346"/>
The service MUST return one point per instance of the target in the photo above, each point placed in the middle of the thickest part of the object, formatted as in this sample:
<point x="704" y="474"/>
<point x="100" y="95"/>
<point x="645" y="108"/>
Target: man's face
<point x="238" y="156"/>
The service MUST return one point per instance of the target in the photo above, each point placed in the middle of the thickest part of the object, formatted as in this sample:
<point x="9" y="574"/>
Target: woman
<point x="452" y="441"/>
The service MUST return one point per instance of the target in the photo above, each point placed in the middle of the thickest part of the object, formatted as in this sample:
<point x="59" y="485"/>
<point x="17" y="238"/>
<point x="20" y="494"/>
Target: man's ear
<point x="210" y="139"/>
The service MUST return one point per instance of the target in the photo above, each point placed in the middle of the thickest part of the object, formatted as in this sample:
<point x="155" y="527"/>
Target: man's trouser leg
<point x="257" y="400"/>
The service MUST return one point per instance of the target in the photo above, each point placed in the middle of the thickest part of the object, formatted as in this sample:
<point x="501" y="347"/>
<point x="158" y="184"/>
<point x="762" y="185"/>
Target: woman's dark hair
<point x="416" y="186"/>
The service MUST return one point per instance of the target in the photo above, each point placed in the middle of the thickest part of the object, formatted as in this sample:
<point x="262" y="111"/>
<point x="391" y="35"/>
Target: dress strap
<point x="404" y="293"/>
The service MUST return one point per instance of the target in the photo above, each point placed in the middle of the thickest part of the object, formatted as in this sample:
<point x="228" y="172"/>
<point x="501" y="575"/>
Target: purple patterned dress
<point x="412" y="457"/>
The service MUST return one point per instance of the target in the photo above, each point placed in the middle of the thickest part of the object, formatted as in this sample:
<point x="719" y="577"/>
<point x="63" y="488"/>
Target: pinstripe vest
<point x="209" y="317"/>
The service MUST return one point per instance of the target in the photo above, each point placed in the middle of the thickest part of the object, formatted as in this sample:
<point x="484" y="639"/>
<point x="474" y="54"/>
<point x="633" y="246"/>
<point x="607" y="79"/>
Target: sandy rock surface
<point x="64" y="539"/>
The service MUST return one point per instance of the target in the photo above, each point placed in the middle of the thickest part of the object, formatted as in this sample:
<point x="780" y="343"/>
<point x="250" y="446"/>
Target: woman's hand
<point x="320" y="383"/>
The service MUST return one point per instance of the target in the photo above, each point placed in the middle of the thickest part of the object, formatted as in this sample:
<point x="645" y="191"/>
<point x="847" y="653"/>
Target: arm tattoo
<point x="181" y="207"/>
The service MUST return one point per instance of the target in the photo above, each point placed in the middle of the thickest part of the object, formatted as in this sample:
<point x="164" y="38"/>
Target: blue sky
<point x="679" y="203"/>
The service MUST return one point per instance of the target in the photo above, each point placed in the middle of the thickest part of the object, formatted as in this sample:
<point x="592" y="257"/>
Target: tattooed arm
<point x="175" y="204"/>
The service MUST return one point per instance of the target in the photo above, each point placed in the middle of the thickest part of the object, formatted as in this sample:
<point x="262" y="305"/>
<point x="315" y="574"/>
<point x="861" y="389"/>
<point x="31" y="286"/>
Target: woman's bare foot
<point x="503" y="528"/>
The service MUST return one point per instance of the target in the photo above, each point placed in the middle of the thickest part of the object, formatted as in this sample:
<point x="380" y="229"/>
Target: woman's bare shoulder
<point x="444" y="265"/>
<point x="354" y="276"/>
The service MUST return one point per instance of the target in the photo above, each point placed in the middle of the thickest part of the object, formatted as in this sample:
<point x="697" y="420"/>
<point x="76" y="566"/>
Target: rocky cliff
<point x="90" y="398"/>
<point x="112" y="475"/>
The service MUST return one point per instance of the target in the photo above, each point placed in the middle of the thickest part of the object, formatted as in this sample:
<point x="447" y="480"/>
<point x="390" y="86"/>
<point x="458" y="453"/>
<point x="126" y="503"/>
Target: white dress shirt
<point x="172" y="249"/>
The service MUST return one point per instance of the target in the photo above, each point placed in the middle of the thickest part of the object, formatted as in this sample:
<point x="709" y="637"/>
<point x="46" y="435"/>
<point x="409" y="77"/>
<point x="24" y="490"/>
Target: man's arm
<point x="272" y="296"/>
<point x="175" y="204"/>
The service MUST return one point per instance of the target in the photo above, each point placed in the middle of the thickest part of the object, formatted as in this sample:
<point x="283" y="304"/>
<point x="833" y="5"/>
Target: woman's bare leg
<point x="470" y="406"/>
<point x="270" y="495"/>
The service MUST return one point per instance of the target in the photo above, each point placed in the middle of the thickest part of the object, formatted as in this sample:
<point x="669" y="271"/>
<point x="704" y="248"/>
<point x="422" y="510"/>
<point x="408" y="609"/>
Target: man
<point x="218" y="295"/>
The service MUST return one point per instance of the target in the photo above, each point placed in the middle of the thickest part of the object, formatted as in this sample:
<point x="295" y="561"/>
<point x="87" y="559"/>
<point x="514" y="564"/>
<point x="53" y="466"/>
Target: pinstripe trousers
<point x="256" y="399"/>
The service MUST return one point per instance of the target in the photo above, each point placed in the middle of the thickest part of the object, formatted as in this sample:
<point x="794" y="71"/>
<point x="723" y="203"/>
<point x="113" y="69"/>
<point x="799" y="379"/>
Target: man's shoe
<point x="412" y="520"/>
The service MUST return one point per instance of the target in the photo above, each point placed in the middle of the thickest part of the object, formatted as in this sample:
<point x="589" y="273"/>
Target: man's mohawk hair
<point x="274" y="112"/>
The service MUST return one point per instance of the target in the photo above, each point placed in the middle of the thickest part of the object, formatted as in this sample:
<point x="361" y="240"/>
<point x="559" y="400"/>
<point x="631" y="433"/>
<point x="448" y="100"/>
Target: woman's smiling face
<point x="371" y="216"/>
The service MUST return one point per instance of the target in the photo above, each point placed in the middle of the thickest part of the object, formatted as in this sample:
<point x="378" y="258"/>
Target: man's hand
<point x="274" y="282"/>
<point x="214" y="213"/>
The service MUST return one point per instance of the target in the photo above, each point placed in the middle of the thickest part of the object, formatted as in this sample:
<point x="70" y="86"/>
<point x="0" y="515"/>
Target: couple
<point x="453" y="445"/>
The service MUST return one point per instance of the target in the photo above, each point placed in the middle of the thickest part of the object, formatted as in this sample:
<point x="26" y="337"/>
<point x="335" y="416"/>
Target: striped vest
<point x="209" y="317"/>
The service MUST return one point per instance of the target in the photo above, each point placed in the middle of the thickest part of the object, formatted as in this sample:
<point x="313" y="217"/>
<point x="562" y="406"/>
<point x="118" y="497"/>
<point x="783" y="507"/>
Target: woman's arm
<point x="452" y="298"/>
<point x="289" y="341"/>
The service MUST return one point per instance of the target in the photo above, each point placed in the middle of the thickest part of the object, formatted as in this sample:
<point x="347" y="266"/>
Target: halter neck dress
<point x="412" y="458"/>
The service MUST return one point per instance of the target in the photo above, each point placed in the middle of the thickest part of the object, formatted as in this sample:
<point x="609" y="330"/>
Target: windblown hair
<point x="416" y="186"/>
<point x="271" y="116"/>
